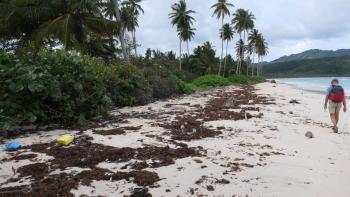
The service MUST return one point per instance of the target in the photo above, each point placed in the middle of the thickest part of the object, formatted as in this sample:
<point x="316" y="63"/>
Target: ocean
<point x="318" y="84"/>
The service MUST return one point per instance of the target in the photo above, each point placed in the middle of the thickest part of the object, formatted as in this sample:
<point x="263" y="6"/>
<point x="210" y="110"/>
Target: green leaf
<point x="78" y="87"/>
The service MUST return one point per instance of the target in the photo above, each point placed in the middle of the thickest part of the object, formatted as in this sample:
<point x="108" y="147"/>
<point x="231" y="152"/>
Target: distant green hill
<point x="329" y="66"/>
<point x="313" y="54"/>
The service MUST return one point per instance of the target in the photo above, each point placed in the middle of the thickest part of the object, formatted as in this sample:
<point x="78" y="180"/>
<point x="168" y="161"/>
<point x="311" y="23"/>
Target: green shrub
<point x="51" y="87"/>
<point x="239" y="79"/>
<point x="184" y="88"/>
<point x="125" y="85"/>
<point x="161" y="82"/>
<point x="243" y="79"/>
<point x="210" y="81"/>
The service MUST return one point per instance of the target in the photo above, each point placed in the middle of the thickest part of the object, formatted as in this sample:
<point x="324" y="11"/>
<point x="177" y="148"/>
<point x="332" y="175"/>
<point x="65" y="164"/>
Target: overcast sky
<point x="289" y="26"/>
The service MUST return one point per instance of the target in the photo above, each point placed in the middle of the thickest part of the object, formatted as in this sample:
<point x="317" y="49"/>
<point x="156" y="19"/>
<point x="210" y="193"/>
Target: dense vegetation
<point x="313" y="54"/>
<point x="65" y="62"/>
<point x="332" y="66"/>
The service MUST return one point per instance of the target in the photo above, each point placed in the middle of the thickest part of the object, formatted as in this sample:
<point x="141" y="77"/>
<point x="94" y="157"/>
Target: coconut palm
<point x="253" y="40"/>
<point x="112" y="10"/>
<point x="182" y="19"/>
<point x="250" y="51"/>
<point x="226" y="34"/>
<point x="240" y="48"/>
<point x="187" y="35"/>
<point x="117" y="14"/>
<point x="243" y="20"/>
<point x="221" y="9"/>
<point x="262" y="50"/>
<point x="136" y="9"/>
<point x="72" y="23"/>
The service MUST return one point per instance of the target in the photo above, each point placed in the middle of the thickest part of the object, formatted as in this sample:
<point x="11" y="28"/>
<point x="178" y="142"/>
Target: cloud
<point x="290" y="26"/>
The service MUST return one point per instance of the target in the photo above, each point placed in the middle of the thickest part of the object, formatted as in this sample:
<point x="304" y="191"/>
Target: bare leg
<point x="334" y="120"/>
<point x="336" y="116"/>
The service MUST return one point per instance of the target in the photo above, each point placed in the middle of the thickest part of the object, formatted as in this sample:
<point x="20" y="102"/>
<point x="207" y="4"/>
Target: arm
<point x="326" y="102"/>
<point x="344" y="103"/>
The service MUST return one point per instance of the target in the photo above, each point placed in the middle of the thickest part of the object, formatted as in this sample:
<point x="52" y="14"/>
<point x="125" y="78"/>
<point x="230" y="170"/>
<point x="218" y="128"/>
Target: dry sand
<point x="265" y="155"/>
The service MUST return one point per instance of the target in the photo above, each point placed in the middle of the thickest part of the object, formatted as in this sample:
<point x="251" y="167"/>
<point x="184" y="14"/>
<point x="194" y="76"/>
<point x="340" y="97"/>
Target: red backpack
<point x="336" y="94"/>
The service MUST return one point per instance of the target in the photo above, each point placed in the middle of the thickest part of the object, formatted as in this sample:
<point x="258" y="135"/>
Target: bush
<point x="243" y="79"/>
<point x="184" y="88"/>
<point x="125" y="85"/>
<point x="51" y="87"/>
<point x="161" y="82"/>
<point x="210" y="81"/>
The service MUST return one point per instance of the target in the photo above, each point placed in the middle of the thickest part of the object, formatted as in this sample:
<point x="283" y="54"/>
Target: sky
<point x="289" y="26"/>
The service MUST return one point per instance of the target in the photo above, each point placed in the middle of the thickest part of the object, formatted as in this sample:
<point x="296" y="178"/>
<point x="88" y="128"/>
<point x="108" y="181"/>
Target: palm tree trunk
<point x="188" y="51"/>
<point x="261" y="66"/>
<point x="180" y="67"/>
<point x="253" y="64"/>
<point x="222" y="47"/>
<point x="238" y="56"/>
<point x="225" y="59"/>
<point x="257" y="66"/>
<point x="243" y="54"/>
<point x="121" y="33"/>
<point x="134" y="41"/>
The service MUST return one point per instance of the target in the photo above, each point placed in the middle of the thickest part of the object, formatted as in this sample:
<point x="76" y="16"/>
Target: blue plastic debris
<point x="14" y="145"/>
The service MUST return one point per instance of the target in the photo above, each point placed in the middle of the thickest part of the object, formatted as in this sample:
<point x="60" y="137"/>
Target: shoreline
<point x="308" y="90"/>
<point x="195" y="146"/>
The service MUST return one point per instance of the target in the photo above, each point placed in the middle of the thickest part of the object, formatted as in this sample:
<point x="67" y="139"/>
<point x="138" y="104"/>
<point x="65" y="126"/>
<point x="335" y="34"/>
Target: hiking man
<point x="336" y="99"/>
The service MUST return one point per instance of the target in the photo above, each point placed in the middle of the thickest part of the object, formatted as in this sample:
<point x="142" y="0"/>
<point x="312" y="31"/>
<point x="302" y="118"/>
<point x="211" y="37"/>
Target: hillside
<point x="313" y="54"/>
<point x="330" y="66"/>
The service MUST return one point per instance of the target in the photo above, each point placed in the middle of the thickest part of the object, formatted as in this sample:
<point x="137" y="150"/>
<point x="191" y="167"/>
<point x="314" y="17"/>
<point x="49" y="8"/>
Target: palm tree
<point x="262" y="51"/>
<point x="112" y="10"/>
<point x="226" y="34"/>
<point x="187" y="35"/>
<point x="121" y="31"/>
<point x="136" y="9"/>
<point x="182" y="19"/>
<point x="72" y="23"/>
<point x="253" y="40"/>
<point x="221" y="9"/>
<point x="240" y="48"/>
<point x="250" y="51"/>
<point x="243" y="20"/>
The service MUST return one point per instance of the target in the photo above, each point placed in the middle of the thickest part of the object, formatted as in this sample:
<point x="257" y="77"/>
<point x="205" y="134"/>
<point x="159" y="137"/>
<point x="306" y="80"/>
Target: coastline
<point x="266" y="154"/>
<point x="308" y="90"/>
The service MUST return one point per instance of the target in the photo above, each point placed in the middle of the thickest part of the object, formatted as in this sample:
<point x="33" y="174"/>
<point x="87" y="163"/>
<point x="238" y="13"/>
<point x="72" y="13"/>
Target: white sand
<point x="309" y="167"/>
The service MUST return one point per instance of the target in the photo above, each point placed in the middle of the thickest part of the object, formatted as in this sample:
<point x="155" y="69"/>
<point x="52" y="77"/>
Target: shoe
<point x="335" y="129"/>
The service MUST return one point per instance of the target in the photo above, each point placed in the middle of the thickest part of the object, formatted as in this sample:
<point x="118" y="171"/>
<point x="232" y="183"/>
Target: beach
<point x="235" y="141"/>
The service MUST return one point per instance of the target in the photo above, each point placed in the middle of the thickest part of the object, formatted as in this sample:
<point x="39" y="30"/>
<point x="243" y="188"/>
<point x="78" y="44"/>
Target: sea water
<point x="319" y="84"/>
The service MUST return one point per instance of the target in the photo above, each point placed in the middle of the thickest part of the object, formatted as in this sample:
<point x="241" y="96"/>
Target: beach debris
<point x="65" y="139"/>
<point x="222" y="181"/>
<point x="273" y="81"/>
<point x="230" y="102"/>
<point x="210" y="188"/>
<point x="36" y="170"/>
<point x="294" y="101"/>
<point x="116" y="131"/>
<point x="23" y="157"/>
<point x="141" y="192"/>
<point x="13" y="146"/>
<point x="309" y="134"/>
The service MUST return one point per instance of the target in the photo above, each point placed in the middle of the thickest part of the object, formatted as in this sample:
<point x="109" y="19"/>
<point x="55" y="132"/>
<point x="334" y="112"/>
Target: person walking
<point x="335" y="99"/>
